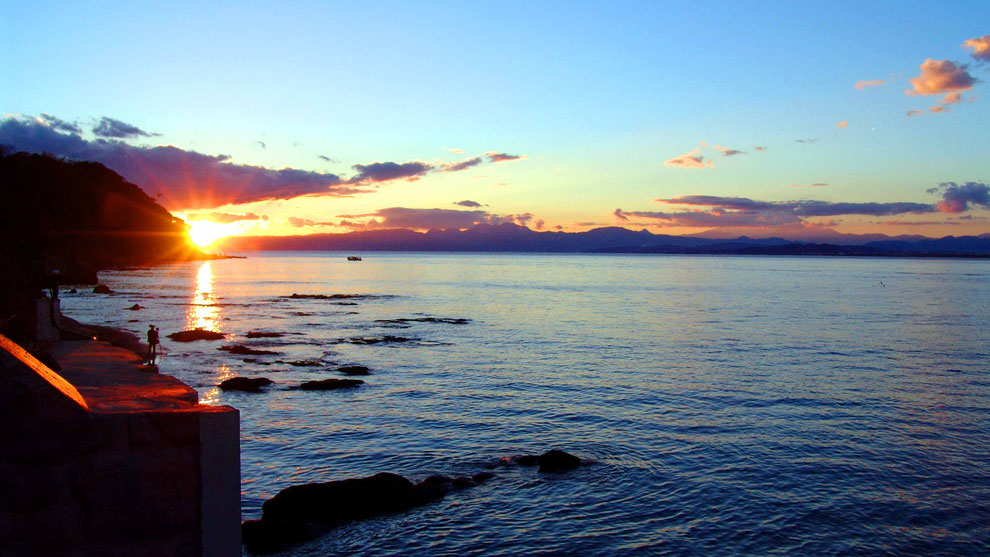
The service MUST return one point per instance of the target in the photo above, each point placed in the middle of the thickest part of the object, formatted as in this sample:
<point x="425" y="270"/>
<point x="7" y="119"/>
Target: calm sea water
<point x="731" y="405"/>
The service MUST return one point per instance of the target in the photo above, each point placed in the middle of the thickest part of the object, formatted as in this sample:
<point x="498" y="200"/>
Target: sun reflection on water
<point x="204" y="313"/>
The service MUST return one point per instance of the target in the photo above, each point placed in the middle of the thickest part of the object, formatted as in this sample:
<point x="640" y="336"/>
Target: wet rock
<point x="305" y="363"/>
<point x="346" y="500"/>
<point x="102" y="289"/>
<point x="73" y="291"/>
<point x="135" y="307"/>
<point x="464" y="483"/>
<point x="330" y="384"/>
<point x="241" y="350"/>
<point x="263" y="334"/>
<point x="558" y="461"/>
<point x="196" y="334"/>
<point x="386" y="339"/>
<point x="246" y="384"/>
<point x="438" y="480"/>
<point x="526" y="460"/>
<point x="482" y="477"/>
<point x="446" y="320"/>
<point x="354" y="370"/>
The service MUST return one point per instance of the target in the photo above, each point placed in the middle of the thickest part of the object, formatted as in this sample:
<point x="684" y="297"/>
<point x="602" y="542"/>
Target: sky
<point x="725" y="118"/>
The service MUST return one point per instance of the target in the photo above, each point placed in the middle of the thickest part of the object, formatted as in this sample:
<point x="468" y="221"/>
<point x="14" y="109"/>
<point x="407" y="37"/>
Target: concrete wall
<point x="77" y="481"/>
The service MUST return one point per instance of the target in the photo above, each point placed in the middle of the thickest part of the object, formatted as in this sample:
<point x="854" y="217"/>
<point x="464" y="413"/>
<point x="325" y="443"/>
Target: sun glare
<point x="204" y="232"/>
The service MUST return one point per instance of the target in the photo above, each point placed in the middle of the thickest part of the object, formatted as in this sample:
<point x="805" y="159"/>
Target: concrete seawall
<point x="104" y="457"/>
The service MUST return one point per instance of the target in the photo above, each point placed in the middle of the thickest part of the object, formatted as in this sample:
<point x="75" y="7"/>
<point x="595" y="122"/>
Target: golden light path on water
<point x="204" y="314"/>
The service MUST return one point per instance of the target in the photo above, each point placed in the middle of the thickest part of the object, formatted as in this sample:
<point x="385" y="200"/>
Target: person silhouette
<point x="153" y="343"/>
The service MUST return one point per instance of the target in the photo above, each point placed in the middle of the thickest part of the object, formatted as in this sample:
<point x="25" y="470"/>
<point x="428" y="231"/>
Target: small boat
<point x="353" y="258"/>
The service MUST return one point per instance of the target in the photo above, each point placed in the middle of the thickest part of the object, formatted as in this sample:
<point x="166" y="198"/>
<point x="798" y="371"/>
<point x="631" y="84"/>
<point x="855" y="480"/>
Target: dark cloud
<point x="115" y="129"/>
<point x="915" y="112"/>
<point x="810" y="140"/>
<point x="185" y="179"/>
<point x="741" y="212"/>
<point x="387" y="171"/>
<point x="915" y="223"/>
<point x="420" y="219"/>
<point x="957" y="198"/>
<point x="224" y="218"/>
<point x="503" y="157"/>
<point x="261" y="144"/>
<point x="329" y="159"/>
<point x="425" y="219"/>
<point x="467" y="203"/>
<point x="59" y="124"/>
<point x="459" y="166"/>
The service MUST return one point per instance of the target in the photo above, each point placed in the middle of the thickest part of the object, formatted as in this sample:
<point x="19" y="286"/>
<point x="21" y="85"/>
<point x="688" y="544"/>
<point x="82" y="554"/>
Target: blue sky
<point x="597" y="97"/>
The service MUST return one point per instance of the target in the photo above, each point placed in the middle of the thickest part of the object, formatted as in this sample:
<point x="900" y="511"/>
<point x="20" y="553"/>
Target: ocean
<point x="727" y="405"/>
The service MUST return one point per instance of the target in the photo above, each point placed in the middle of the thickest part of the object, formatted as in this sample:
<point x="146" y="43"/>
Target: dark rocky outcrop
<point x="330" y="384"/>
<point x="354" y="370"/>
<point x="196" y="334"/>
<point x="241" y="350"/>
<point x="526" y="460"/>
<point x="385" y="339"/>
<point x="102" y="289"/>
<point x="263" y="334"/>
<point x="135" y="307"/>
<point x="78" y="218"/>
<point x="405" y="320"/>
<point x="558" y="461"/>
<point x="289" y="516"/>
<point x="483" y="476"/>
<point x="246" y="384"/>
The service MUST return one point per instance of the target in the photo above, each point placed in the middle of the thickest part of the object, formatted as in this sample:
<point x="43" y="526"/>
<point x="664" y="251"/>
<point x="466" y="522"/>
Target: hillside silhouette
<point x="76" y="217"/>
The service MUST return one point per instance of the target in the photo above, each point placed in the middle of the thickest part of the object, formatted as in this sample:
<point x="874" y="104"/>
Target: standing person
<point x="152" y="344"/>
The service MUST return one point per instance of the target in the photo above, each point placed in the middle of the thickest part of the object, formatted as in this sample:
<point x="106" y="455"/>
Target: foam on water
<point x="731" y="405"/>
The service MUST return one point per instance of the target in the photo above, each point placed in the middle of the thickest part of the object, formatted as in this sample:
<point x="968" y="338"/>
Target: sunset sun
<point x="204" y="232"/>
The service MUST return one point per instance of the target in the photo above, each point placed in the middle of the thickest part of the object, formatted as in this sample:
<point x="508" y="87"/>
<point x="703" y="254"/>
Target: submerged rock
<point x="288" y="517"/>
<point x="354" y="370"/>
<point x="482" y="477"/>
<point x="246" y="384"/>
<point x="526" y="460"/>
<point x="385" y="339"/>
<point x="263" y="334"/>
<point x="196" y="334"/>
<point x="464" y="483"/>
<point x="241" y="350"/>
<point x="135" y="307"/>
<point x="446" y="320"/>
<point x="330" y="384"/>
<point x="558" y="461"/>
<point x="102" y="289"/>
<point x="305" y="363"/>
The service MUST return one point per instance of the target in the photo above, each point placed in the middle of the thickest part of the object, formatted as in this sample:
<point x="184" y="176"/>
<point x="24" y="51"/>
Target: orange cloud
<point x="727" y="152"/>
<point x="980" y="46"/>
<point x="691" y="159"/>
<point x="860" y="85"/>
<point x="941" y="76"/>
<point x="842" y="124"/>
<point x="915" y="112"/>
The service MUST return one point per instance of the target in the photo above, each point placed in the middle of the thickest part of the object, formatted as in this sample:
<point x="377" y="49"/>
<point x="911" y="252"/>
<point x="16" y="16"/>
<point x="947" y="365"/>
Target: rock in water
<point x="196" y="334"/>
<point x="353" y="370"/>
<point x="346" y="500"/>
<point x="557" y="461"/>
<point x="135" y="307"/>
<point x="527" y="460"/>
<point x="102" y="289"/>
<point x="245" y="351"/>
<point x="246" y="384"/>
<point x="330" y="384"/>
<point x="482" y="476"/>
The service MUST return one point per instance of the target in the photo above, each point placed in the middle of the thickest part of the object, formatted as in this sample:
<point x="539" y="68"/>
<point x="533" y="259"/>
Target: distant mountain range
<point x="513" y="238"/>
